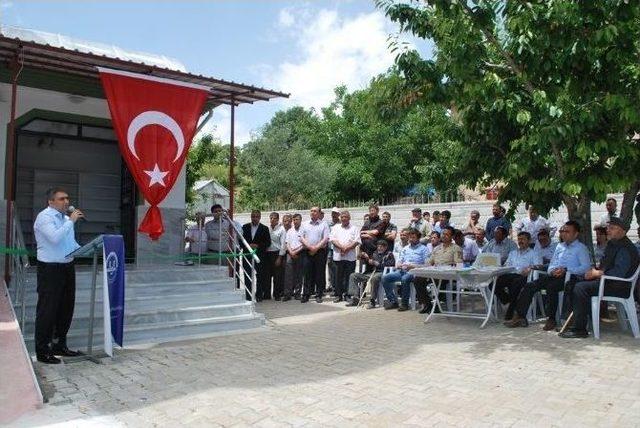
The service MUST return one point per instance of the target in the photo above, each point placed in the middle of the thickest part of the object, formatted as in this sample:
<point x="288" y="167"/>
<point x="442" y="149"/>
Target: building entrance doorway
<point x="84" y="160"/>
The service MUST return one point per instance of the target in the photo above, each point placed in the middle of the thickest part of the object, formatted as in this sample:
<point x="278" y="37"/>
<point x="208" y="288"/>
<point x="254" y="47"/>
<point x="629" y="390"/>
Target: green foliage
<point x="366" y="145"/>
<point x="281" y="167"/>
<point x="546" y="92"/>
<point x="206" y="159"/>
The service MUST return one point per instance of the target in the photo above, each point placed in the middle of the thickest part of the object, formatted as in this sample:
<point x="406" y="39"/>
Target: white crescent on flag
<point x="154" y="118"/>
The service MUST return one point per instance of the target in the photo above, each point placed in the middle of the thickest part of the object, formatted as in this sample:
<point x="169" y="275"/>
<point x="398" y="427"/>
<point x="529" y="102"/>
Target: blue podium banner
<point x="113" y="291"/>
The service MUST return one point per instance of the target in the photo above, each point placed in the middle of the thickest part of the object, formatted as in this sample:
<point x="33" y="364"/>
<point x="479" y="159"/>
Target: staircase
<point x="162" y="304"/>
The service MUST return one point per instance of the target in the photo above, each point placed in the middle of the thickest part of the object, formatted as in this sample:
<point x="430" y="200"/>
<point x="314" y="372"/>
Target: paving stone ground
<point x="327" y="365"/>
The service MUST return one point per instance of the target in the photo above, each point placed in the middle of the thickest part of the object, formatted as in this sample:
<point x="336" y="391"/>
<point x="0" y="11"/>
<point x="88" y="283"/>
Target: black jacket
<point x="262" y="237"/>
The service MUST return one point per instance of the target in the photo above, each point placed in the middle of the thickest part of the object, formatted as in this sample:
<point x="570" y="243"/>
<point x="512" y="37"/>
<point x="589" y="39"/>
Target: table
<point x="469" y="281"/>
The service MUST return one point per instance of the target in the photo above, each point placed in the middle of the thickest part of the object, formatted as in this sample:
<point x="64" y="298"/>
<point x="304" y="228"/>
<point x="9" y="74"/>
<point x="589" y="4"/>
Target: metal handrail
<point x="20" y="263"/>
<point x="238" y="231"/>
<point x="235" y="241"/>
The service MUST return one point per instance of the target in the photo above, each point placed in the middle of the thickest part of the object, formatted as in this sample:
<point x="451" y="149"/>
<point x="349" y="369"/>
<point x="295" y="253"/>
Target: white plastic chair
<point x="627" y="303"/>
<point x="412" y="295"/>
<point x="532" y="314"/>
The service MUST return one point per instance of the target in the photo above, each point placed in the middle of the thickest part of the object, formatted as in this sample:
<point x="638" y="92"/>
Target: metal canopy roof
<point x="46" y="51"/>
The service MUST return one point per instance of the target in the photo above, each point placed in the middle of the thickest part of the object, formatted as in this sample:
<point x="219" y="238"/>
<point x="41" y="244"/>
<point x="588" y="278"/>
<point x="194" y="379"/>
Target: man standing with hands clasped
<point x="55" y="239"/>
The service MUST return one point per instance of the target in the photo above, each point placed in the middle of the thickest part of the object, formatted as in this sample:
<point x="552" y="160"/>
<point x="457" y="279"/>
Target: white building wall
<point x="33" y="98"/>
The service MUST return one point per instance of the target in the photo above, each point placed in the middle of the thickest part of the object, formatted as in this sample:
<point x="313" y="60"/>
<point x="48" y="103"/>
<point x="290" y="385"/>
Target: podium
<point x="91" y="249"/>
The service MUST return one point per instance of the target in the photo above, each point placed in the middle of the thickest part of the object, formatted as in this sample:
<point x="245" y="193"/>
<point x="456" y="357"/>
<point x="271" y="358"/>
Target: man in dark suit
<point x="258" y="237"/>
<point x="620" y="260"/>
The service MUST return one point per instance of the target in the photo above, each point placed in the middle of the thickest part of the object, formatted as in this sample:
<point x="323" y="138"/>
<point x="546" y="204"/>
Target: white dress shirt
<point x="522" y="259"/>
<point x="278" y="239"/>
<point x="534" y="226"/>
<point x="54" y="236"/>
<point x="294" y="238"/>
<point x="315" y="231"/>
<point x="345" y="236"/>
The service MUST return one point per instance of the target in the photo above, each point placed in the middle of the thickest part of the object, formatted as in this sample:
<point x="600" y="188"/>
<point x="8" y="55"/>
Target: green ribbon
<point x="184" y="257"/>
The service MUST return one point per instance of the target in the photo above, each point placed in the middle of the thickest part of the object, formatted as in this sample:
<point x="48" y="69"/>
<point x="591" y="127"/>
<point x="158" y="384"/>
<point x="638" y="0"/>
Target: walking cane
<point x="566" y="323"/>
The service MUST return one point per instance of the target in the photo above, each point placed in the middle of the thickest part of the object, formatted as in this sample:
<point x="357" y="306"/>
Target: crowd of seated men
<point x="297" y="253"/>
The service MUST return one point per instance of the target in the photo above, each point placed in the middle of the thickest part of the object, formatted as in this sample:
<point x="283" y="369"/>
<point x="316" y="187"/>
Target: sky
<point x="302" y="48"/>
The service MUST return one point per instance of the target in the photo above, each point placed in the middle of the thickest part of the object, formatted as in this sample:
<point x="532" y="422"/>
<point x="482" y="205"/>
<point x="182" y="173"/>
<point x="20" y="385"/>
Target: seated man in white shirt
<point x="500" y="244"/>
<point x="196" y="237"/>
<point x="524" y="259"/>
<point x="545" y="246"/>
<point x="469" y="247"/>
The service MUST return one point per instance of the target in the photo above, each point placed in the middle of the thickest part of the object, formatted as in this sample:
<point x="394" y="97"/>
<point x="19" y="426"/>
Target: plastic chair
<point x="627" y="303"/>
<point x="412" y="295"/>
<point x="532" y="314"/>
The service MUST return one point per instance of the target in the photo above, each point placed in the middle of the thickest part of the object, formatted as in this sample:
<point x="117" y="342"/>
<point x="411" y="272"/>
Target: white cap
<point x="335" y="210"/>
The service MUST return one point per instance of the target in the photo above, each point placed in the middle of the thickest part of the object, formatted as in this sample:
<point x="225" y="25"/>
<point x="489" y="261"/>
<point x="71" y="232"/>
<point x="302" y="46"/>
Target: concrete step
<point x="143" y="290"/>
<point x="134" y="318"/>
<point x="166" y="331"/>
<point x="146" y="276"/>
<point x="182" y="298"/>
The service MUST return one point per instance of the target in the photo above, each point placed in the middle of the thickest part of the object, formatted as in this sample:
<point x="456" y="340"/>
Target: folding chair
<point x="628" y="304"/>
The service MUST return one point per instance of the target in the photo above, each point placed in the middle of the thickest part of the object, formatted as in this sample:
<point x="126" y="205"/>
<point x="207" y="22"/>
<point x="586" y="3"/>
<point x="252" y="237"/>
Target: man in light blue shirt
<point x="412" y="256"/>
<point x="53" y="230"/>
<point x="570" y="260"/>
<point x="524" y="259"/>
<point x="500" y="244"/>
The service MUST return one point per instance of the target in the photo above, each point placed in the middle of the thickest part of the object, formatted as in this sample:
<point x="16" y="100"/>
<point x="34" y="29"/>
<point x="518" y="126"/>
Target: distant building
<point x="209" y="192"/>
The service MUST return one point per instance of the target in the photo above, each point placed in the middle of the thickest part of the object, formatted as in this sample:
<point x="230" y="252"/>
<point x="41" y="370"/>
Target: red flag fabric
<point x="155" y="120"/>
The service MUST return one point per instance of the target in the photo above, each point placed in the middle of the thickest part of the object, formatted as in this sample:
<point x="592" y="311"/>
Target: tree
<point x="545" y="93"/>
<point x="204" y="155"/>
<point x="281" y="167"/>
<point x="384" y="148"/>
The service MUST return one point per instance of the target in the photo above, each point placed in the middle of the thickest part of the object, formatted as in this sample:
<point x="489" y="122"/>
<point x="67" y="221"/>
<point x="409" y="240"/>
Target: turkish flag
<point x="155" y="120"/>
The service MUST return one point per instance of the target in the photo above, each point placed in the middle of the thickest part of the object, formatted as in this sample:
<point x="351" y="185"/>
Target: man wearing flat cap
<point x="620" y="260"/>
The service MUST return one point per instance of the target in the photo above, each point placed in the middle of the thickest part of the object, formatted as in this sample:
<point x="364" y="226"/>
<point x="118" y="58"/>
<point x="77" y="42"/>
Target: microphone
<point x="71" y="209"/>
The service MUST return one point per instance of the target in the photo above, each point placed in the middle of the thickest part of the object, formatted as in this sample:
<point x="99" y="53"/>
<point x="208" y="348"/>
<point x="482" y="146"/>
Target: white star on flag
<point x="156" y="176"/>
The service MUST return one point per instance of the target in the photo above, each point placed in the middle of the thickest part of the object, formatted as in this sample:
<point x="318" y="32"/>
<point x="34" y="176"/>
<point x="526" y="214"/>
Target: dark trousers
<point x="581" y="299"/>
<point x="56" y="300"/>
<point x="344" y="268"/>
<point x="420" y="284"/>
<point x="314" y="272"/>
<point x="293" y="275"/>
<point x="508" y="288"/>
<point x="331" y="267"/>
<point x="549" y="283"/>
<point x="275" y="273"/>
<point x="261" y="278"/>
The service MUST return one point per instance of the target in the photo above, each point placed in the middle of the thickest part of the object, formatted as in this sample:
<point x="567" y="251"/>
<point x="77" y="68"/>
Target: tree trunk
<point x="626" y="211"/>
<point x="579" y="210"/>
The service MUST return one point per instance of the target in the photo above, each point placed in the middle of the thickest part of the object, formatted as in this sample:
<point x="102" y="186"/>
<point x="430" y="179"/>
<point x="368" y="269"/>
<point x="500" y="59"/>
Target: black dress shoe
<point x="403" y="308"/>
<point x="573" y="334"/>
<point x="65" y="352"/>
<point x="286" y="298"/>
<point x="390" y="305"/>
<point x="304" y="299"/>
<point x="318" y="299"/>
<point x="337" y="299"/>
<point x="353" y="302"/>
<point x="48" y="359"/>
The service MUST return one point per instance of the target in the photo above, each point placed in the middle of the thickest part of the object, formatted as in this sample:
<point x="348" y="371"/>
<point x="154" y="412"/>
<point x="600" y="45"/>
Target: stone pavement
<point x="326" y="365"/>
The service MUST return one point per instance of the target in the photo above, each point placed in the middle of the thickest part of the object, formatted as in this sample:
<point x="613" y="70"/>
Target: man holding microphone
<point x="55" y="239"/>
